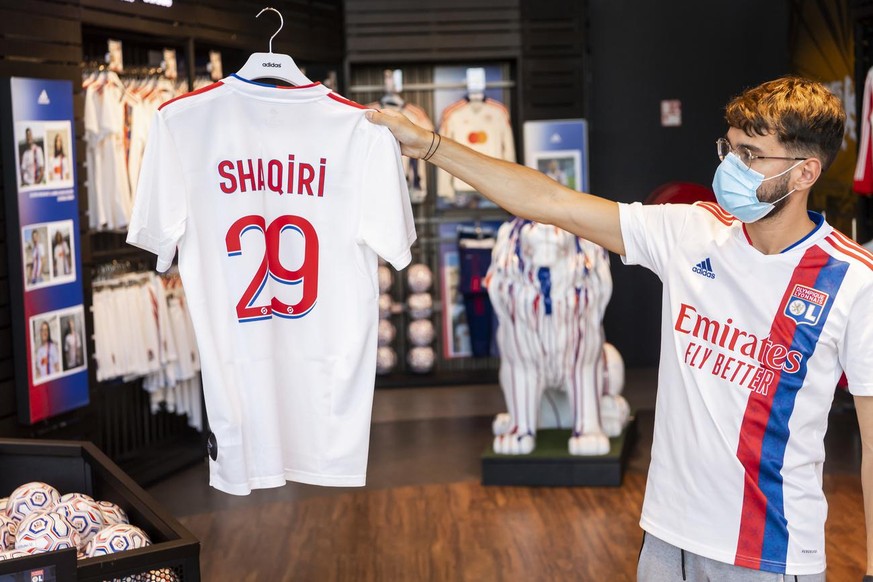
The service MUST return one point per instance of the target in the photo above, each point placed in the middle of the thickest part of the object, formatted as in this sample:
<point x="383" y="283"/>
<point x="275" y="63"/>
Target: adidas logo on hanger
<point x="704" y="268"/>
<point x="43" y="98"/>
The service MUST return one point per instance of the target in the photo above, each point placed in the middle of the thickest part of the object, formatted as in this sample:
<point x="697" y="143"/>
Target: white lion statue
<point x="549" y="290"/>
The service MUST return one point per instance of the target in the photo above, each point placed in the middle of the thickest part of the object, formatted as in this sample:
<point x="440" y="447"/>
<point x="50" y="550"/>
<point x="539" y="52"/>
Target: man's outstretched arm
<point x="521" y="191"/>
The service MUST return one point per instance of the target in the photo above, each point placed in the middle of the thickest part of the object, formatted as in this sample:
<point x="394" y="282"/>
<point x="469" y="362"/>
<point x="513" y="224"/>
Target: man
<point x="764" y="306"/>
<point x="32" y="161"/>
<point x="37" y="255"/>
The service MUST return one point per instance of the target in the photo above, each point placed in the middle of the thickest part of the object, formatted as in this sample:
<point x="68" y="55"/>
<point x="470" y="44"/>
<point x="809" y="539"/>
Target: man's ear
<point x="810" y="170"/>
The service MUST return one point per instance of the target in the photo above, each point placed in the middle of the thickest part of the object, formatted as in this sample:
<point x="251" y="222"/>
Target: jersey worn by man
<point x="280" y="200"/>
<point x="752" y="347"/>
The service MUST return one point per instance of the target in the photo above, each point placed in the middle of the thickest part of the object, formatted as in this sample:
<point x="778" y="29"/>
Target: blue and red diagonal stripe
<point x="763" y="538"/>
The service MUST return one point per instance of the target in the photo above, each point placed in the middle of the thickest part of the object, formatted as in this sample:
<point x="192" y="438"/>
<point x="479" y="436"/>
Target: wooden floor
<point x="424" y="516"/>
<point x="463" y="531"/>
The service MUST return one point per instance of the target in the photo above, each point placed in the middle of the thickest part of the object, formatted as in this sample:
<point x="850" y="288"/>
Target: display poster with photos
<point x="559" y="149"/>
<point x="456" y="75"/>
<point x="455" y="327"/>
<point x="44" y="247"/>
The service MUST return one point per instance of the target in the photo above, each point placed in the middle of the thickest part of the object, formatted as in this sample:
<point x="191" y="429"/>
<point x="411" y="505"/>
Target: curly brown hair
<point x="804" y="115"/>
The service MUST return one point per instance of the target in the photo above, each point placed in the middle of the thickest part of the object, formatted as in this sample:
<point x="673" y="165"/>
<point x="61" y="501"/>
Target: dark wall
<point x="641" y="52"/>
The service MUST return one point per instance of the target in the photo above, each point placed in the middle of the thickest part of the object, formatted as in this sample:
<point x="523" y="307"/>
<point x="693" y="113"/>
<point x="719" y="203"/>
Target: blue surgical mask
<point x="736" y="189"/>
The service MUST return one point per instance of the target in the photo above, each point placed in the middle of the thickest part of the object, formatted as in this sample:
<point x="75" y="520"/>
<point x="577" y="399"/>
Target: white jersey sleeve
<point x="650" y="233"/>
<point x="855" y="357"/>
<point x="158" y="221"/>
<point x="386" y="226"/>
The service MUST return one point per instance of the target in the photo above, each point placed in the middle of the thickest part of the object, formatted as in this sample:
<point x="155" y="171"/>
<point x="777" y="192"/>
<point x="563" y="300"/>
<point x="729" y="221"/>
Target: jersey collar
<point x="817" y="232"/>
<point x="272" y="92"/>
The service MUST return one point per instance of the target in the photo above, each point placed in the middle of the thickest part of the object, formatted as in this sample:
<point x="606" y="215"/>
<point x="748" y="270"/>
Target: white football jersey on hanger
<point x="279" y="200"/>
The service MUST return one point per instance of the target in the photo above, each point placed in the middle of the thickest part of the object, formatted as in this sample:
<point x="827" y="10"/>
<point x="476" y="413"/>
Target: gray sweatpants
<point x="663" y="562"/>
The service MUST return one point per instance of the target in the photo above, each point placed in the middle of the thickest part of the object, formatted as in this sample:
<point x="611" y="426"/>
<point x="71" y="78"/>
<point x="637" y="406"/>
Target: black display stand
<point x="79" y="466"/>
<point x="551" y="465"/>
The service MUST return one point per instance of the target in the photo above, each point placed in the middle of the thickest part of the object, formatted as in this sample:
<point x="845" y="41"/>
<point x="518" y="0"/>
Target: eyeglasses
<point x="723" y="147"/>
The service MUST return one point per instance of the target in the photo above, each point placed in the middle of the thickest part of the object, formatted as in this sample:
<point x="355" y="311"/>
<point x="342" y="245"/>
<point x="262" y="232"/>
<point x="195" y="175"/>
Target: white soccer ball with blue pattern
<point x="386" y="333"/>
<point x="386" y="360"/>
<point x="420" y="305"/>
<point x="386" y="304"/>
<point x="85" y="515"/>
<point x="30" y="497"/>
<point x="386" y="279"/>
<point x="8" y="527"/>
<point x="420" y="359"/>
<point x="120" y="537"/>
<point x="112" y="514"/>
<point x="12" y="554"/>
<point x="70" y="496"/>
<point x="419" y="277"/>
<point x="421" y="332"/>
<point x="46" y="532"/>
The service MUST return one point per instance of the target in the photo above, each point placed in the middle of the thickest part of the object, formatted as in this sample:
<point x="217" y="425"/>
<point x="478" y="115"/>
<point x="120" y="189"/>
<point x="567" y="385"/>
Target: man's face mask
<point x="736" y="188"/>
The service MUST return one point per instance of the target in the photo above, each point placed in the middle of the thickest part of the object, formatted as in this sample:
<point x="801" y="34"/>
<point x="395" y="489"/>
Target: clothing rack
<point x="431" y="86"/>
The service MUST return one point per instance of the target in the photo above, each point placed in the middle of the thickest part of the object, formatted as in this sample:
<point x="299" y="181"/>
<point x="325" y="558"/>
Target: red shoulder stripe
<point x="498" y="105"/>
<point x="717" y="212"/>
<point x="846" y="250"/>
<point x="344" y="101"/>
<point x="309" y="86"/>
<point x="852" y="244"/>
<point x="454" y="106"/>
<point x="189" y="94"/>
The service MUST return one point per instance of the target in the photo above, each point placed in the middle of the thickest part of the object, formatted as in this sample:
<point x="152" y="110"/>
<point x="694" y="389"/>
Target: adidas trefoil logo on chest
<point x="704" y="268"/>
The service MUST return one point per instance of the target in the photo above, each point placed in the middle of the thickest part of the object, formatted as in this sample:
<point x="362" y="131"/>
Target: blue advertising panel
<point x="559" y="149"/>
<point x="45" y="266"/>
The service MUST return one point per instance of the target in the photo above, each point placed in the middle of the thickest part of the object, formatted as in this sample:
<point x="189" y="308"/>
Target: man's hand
<point x="414" y="140"/>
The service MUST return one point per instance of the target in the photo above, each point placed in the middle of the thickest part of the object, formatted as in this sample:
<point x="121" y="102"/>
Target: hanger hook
<point x="281" y="23"/>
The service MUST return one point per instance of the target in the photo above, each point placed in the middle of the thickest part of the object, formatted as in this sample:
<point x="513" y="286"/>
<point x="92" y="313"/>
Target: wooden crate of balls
<point x="119" y="531"/>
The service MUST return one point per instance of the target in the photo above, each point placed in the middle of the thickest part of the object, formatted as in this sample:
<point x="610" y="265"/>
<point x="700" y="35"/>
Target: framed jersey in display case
<point x="42" y="238"/>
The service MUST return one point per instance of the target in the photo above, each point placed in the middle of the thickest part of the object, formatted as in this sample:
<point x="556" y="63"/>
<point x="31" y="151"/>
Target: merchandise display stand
<point x="75" y="466"/>
<point x="551" y="465"/>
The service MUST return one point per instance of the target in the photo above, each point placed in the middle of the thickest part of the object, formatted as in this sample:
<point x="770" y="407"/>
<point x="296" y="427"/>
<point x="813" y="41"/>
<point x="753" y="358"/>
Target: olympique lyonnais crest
<point x="806" y="305"/>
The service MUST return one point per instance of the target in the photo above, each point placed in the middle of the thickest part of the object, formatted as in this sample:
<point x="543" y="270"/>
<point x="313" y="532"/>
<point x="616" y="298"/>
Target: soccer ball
<point x="419" y="278"/>
<point x="12" y="554"/>
<point x="420" y="359"/>
<point x="387" y="332"/>
<point x="46" y="531"/>
<point x="385" y="278"/>
<point x="420" y="305"/>
<point x="85" y="515"/>
<point x="3" y="502"/>
<point x="112" y="514"/>
<point x="162" y="575"/>
<point x="421" y="332"/>
<point x="8" y="528"/>
<point x="385" y="303"/>
<point x="386" y="359"/>
<point x="120" y="537"/>
<point x="34" y="496"/>
<point x="70" y="496"/>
